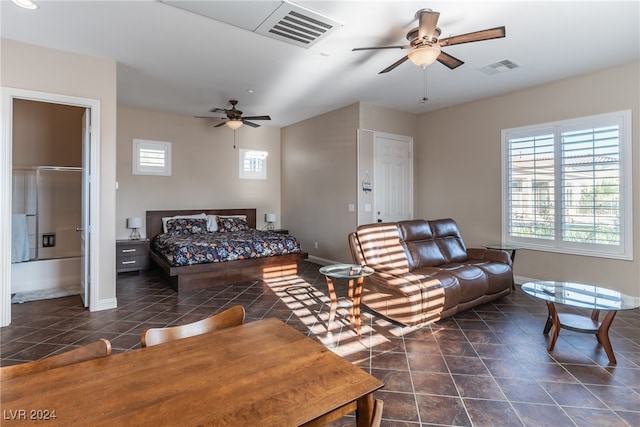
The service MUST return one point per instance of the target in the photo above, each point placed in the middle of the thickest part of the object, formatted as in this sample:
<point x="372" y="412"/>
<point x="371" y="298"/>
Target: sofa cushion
<point x="447" y="295"/>
<point x="473" y="281"/>
<point x="418" y="240"/>
<point x="499" y="274"/>
<point x="381" y="247"/>
<point x="447" y="234"/>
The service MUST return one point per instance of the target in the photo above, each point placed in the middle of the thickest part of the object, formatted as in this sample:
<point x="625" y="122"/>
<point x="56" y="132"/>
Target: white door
<point x="393" y="178"/>
<point x="85" y="228"/>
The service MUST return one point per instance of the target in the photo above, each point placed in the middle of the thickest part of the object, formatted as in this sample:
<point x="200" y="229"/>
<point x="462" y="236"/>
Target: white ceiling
<point x="180" y="62"/>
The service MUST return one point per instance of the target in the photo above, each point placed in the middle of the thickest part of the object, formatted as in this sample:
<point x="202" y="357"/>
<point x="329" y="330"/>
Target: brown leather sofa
<point x="424" y="272"/>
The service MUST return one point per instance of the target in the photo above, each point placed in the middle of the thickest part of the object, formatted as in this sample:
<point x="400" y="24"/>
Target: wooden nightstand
<point x="132" y="255"/>
<point x="281" y="231"/>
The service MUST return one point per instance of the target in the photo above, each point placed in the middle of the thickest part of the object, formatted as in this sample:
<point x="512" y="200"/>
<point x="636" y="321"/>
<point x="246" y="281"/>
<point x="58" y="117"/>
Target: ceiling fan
<point x="234" y="117"/>
<point x="426" y="47"/>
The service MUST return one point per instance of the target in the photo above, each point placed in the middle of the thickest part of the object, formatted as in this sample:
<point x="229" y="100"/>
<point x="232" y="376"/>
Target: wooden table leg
<point x="547" y="326"/>
<point x="603" y="334"/>
<point x="513" y="258"/>
<point x="555" y="325"/>
<point x="355" y="295"/>
<point x="334" y="302"/>
<point x="364" y="413"/>
<point x="352" y="313"/>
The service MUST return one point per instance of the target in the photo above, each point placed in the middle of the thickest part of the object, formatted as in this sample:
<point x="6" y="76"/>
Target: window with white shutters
<point x="253" y="164"/>
<point x="567" y="186"/>
<point x="151" y="157"/>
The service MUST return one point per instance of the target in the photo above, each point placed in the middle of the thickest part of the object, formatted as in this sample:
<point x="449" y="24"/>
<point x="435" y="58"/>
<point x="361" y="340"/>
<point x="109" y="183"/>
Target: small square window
<point x="253" y="164"/>
<point x="151" y="157"/>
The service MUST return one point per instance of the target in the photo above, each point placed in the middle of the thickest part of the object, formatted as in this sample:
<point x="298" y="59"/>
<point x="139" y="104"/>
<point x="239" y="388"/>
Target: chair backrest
<point x="377" y="413"/>
<point x="100" y="348"/>
<point x="230" y="317"/>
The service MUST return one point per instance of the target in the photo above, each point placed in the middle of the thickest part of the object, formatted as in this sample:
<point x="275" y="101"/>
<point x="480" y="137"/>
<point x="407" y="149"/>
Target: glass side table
<point x="355" y="274"/>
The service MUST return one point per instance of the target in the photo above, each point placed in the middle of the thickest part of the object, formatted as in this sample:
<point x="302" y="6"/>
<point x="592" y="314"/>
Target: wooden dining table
<point x="262" y="373"/>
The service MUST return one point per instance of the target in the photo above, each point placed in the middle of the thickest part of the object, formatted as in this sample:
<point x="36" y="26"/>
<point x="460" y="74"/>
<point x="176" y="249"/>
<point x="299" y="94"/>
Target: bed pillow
<point x="232" y="223"/>
<point x="212" y="224"/>
<point x="167" y="218"/>
<point x="182" y="226"/>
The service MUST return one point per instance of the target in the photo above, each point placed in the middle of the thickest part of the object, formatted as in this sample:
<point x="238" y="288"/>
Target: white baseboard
<point x="522" y="279"/>
<point x="105" y="304"/>
<point x="322" y="261"/>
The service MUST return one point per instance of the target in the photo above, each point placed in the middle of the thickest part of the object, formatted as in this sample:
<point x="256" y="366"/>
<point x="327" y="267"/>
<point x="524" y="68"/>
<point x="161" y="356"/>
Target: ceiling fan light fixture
<point x="25" y="4"/>
<point x="234" y="123"/>
<point x="424" y="56"/>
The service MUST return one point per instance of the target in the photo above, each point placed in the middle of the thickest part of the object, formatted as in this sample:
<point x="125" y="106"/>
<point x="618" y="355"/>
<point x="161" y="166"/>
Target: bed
<point x="213" y="272"/>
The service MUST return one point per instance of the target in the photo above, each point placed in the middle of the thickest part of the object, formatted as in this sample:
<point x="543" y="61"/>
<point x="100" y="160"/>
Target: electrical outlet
<point x="48" y="240"/>
<point x="315" y="245"/>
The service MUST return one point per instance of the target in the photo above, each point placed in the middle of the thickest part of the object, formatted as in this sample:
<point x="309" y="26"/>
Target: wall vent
<point x="499" y="67"/>
<point x="294" y="24"/>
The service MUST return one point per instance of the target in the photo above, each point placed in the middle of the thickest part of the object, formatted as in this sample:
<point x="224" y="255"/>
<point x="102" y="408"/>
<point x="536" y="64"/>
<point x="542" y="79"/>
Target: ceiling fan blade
<point x="220" y="124"/>
<point x="257" y="118"/>
<point x="492" y="33"/>
<point x="394" y="65"/>
<point x="449" y="61"/>
<point x="207" y="117"/>
<point x="253" y="125"/>
<point x="381" y="47"/>
<point x="428" y="21"/>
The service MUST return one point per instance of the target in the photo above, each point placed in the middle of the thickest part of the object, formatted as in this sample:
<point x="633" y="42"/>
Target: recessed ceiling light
<point x="25" y="4"/>
<point x="249" y="90"/>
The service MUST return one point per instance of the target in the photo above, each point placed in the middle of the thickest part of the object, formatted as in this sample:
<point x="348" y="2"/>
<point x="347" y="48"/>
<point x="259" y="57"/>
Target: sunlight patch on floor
<point x="311" y="306"/>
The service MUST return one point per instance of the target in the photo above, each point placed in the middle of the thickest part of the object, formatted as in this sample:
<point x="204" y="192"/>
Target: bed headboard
<point x="154" y="218"/>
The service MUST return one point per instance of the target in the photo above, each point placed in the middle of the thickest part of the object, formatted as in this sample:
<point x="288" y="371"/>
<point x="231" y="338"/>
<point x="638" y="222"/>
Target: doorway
<point x="89" y="158"/>
<point x="385" y="177"/>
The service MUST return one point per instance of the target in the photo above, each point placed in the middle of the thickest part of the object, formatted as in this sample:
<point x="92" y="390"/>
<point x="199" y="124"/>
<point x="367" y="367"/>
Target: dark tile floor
<point x="484" y="367"/>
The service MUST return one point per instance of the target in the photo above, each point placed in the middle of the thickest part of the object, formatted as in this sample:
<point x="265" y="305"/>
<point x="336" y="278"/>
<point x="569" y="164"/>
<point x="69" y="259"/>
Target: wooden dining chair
<point x="230" y="317"/>
<point x="100" y="348"/>
<point x="377" y="413"/>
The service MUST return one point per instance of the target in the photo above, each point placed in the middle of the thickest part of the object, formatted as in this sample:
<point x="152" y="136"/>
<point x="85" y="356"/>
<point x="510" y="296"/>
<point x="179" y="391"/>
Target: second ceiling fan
<point x="426" y="46"/>
<point x="234" y="117"/>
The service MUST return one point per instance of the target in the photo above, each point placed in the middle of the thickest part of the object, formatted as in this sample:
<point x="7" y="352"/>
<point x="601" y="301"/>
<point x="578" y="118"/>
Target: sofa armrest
<point x="489" y="255"/>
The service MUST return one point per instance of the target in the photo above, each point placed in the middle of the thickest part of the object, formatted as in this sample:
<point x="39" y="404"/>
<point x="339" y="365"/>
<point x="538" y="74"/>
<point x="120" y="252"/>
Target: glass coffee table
<point x="578" y="295"/>
<point x="355" y="274"/>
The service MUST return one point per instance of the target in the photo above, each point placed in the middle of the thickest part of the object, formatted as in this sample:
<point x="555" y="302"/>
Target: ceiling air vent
<point x="499" y="67"/>
<point x="294" y="24"/>
<point x="280" y="20"/>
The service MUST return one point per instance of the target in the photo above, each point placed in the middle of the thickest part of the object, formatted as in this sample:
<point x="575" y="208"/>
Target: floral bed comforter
<point x="199" y="248"/>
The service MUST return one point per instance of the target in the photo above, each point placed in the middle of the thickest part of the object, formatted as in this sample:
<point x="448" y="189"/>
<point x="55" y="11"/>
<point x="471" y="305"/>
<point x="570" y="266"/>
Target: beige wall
<point x="319" y="181"/>
<point x="40" y="69"/>
<point x="204" y="167"/>
<point x="459" y="166"/>
<point x="320" y="174"/>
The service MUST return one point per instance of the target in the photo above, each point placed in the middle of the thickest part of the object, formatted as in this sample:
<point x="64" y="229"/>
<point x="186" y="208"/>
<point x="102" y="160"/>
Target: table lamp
<point x="270" y="219"/>
<point x="134" y="224"/>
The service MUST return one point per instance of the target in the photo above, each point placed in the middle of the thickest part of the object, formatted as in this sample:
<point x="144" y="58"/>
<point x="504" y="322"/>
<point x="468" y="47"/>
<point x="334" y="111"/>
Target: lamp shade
<point x="270" y="217"/>
<point x="424" y="56"/>
<point x="25" y="4"/>
<point x="234" y="123"/>
<point x="134" y="222"/>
